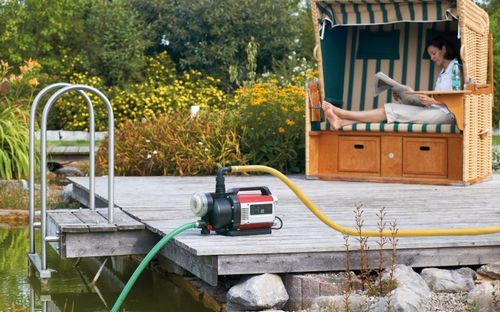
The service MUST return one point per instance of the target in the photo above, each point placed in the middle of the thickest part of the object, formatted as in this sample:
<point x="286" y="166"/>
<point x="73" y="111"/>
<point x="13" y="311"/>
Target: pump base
<point x="245" y="232"/>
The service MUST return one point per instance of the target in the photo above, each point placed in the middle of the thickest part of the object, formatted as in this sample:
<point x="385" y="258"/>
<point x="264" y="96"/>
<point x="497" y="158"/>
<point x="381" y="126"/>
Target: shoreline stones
<point x="257" y="293"/>
<point x="432" y="290"/>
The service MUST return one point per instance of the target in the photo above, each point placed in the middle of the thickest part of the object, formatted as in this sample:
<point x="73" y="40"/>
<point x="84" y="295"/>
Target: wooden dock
<point x="304" y="244"/>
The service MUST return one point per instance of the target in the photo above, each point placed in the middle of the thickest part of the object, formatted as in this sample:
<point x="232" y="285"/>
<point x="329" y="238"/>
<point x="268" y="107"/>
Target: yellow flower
<point x="32" y="64"/>
<point x="24" y="69"/>
<point x="289" y="122"/>
<point x="33" y="82"/>
<point x="281" y="130"/>
<point x="13" y="78"/>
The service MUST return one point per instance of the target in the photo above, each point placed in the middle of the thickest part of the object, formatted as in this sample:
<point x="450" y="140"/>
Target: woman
<point x="443" y="55"/>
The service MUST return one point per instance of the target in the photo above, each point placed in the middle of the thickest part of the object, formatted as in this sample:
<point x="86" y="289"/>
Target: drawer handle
<point x="359" y="146"/>
<point x="425" y="148"/>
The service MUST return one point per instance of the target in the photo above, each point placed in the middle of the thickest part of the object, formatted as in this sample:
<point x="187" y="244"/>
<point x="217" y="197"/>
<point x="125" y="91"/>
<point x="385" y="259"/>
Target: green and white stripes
<point x="411" y="68"/>
<point x="369" y="12"/>
<point x="398" y="127"/>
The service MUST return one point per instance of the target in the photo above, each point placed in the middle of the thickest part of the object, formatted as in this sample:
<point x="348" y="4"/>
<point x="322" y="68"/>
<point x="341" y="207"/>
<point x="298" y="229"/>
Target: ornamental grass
<point x="174" y="144"/>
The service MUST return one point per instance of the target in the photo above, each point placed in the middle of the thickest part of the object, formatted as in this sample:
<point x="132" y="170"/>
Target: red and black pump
<point x="237" y="211"/>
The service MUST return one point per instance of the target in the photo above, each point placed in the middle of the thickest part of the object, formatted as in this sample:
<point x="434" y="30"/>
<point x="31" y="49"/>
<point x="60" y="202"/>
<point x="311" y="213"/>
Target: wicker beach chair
<point x="356" y="39"/>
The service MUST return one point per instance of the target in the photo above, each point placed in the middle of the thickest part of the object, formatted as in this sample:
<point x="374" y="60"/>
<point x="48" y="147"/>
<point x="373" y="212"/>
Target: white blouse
<point x="444" y="83"/>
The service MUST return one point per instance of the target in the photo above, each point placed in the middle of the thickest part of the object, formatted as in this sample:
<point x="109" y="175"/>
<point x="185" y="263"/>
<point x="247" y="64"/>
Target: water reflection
<point x="71" y="287"/>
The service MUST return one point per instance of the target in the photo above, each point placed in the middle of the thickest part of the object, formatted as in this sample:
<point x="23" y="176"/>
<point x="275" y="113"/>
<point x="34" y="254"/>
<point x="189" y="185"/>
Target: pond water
<point x="69" y="289"/>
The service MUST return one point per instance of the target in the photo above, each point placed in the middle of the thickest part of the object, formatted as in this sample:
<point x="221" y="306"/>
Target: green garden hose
<point x="147" y="259"/>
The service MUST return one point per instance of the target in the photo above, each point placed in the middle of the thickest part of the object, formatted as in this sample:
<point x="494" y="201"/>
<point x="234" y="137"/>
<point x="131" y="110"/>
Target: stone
<point x="491" y="270"/>
<point x="13" y="185"/>
<point x="304" y="288"/>
<point x="261" y="292"/>
<point x="485" y="297"/>
<point x="338" y="303"/>
<point x="411" y="294"/>
<point x="67" y="193"/>
<point x="441" y="280"/>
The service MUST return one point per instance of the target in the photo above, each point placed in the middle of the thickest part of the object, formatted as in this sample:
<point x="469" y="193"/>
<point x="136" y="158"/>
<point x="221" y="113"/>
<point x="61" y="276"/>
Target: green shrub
<point x="496" y="157"/>
<point x="271" y="124"/>
<point x="162" y="92"/>
<point x="174" y="144"/>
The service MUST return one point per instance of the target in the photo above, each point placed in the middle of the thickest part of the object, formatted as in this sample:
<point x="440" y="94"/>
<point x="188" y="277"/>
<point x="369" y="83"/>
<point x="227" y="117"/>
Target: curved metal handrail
<point x="63" y="88"/>
<point x="43" y="151"/>
<point x="31" y="182"/>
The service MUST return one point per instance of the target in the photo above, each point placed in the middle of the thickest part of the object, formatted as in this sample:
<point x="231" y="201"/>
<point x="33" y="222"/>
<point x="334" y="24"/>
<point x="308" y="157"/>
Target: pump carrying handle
<point x="264" y="190"/>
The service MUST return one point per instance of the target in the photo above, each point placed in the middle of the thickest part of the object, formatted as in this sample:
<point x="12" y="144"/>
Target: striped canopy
<point x="370" y="12"/>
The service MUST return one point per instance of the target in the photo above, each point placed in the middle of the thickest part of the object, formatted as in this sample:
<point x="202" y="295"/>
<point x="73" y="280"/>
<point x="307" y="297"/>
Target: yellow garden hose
<point x="371" y="233"/>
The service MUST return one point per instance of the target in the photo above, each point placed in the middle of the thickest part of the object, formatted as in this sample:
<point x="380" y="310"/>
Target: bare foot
<point x="334" y="120"/>
<point x="336" y="110"/>
<point x="326" y="106"/>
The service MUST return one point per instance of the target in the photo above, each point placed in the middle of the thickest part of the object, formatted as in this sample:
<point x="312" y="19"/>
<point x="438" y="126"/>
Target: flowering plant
<point x="16" y="92"/>
<point x="19" y="88"/>
<point x="271" y="123"/>
<point x="162" y="92"/>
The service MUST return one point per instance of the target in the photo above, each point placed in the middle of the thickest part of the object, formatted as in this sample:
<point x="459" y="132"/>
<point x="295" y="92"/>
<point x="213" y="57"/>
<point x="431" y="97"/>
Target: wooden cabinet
<point x="425" y="157"/>
<point x="359" y="154"/>
<point x="386" y="157"/>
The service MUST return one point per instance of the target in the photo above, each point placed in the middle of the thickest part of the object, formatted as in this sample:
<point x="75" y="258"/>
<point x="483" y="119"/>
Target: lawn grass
<point x="496" y="140"/>
<point x="72" y="143"/>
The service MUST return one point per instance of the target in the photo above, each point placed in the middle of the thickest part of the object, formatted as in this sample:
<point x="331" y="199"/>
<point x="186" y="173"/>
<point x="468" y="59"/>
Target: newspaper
<point x="383" y="82"/>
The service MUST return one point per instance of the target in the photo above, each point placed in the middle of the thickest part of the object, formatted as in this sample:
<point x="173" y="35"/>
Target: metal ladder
<point x="39" y="262"/>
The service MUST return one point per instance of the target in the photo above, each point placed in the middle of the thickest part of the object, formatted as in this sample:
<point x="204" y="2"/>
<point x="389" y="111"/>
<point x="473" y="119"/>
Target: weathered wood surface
<point x="305" y="243"/>
<point x="85" y="233"/>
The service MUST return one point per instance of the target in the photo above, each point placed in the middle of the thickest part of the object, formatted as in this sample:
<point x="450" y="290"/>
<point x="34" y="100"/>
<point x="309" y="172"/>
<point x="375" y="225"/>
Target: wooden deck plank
<point x="94" y="220"/>
<point x="122" y="220"/>
<point x="305" y="244"/>
<point x="68" y="222"/>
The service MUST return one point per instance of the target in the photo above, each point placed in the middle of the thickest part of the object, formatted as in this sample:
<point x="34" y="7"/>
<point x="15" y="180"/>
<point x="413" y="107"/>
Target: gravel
<point x="448" y="302"/>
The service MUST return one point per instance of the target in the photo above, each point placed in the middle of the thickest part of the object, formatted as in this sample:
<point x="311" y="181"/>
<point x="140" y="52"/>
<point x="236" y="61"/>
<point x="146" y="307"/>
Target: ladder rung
<point x="52" y="238"/>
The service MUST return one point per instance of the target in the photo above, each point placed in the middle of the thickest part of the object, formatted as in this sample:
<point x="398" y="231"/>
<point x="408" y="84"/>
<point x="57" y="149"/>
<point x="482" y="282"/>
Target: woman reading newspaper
<point x="430" y="111"/>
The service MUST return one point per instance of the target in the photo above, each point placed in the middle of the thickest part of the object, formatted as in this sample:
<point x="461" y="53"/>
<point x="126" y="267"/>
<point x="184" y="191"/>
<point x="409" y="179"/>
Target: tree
<point x="115" y="41"/>
<point x="108" y="36"/>
<point x="37" y="29"/>
<point x="493" y="9"/>
<point x="211" y="35"/>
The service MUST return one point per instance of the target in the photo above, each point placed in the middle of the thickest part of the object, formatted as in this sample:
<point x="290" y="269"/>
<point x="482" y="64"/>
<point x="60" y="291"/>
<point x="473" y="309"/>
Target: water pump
<point x="237" y="211"/>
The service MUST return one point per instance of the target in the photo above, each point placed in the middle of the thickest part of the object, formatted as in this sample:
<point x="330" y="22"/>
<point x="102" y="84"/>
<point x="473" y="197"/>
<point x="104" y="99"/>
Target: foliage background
<point x="243" y="62"/>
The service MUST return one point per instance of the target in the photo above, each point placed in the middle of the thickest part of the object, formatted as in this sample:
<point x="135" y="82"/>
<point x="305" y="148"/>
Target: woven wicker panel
<point x="317" y="50"/>
<point x="474" y="27"/>
<point x="470" y="138"/>
<point x="485" y="143"/>
<point x="477" y="151"/>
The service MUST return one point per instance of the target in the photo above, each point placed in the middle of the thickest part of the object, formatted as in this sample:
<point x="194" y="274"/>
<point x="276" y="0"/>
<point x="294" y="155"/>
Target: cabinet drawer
<point x="359" y="154"/>
<point x="425" y="157"/>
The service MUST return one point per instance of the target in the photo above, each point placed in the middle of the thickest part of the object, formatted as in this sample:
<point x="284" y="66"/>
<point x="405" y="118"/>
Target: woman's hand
<point x="426" y="100"/>
<point x="395" y="95"/>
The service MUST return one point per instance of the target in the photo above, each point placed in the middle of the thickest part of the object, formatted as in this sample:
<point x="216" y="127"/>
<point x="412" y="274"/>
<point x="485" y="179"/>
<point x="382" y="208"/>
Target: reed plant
<point x="14" y="142"/>
<point x="372" y="279"/>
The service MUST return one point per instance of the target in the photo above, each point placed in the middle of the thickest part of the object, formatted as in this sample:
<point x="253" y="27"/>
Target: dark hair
<point x="440" y="42"/>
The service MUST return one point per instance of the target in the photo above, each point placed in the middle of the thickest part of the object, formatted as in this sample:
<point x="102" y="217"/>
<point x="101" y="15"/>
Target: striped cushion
<point x="397" y="127"/>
